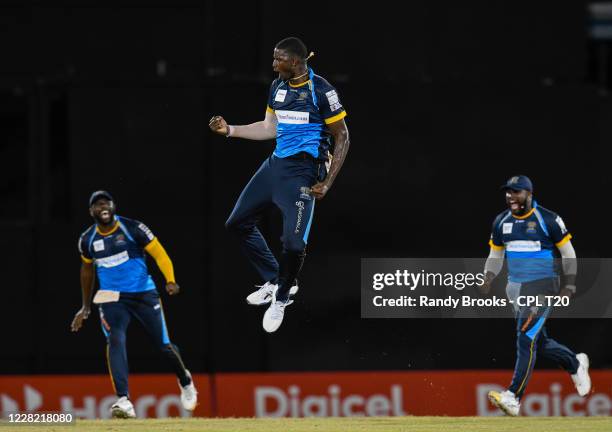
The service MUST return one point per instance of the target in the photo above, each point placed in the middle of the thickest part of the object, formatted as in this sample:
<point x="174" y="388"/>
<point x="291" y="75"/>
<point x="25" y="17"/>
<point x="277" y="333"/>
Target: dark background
<point x="445" y="100"/>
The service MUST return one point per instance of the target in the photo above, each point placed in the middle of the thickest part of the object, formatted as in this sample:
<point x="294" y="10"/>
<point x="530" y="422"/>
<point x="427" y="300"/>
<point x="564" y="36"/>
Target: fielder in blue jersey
<point x="115" y="248"/>
<point x="530" y="237"/>
<point x="305" y="116"/>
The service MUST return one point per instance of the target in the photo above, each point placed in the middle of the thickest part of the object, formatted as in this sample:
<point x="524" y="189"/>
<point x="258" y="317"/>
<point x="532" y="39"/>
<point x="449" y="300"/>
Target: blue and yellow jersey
<point x="119" y="255"/>
<point x="529" y="241"/>
<point x="302" y="112"/>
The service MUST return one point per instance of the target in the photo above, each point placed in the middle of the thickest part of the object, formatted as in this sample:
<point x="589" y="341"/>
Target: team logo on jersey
<point x="531" y="226"/>
<point x="120" y="240"/>
<point x="507" y="228"/>
<point x="303" y="96"/>
<point x="98" y="245"/>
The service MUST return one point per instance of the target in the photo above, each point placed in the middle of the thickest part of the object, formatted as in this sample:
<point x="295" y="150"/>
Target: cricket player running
<point x="115" y="246"/>
<point x="528" y="235"/>
<point x="304" y="115"/>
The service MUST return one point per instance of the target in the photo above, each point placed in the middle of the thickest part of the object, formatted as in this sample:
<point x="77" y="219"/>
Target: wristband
<point x="229" y="131"/>
<point x="571" y="288"/>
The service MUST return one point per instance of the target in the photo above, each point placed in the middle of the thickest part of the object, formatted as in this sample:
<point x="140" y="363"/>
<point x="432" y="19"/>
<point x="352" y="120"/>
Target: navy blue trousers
<point x="115" y="317"/>
<point x="279" y="182"/>
<point x="532" y="340"/>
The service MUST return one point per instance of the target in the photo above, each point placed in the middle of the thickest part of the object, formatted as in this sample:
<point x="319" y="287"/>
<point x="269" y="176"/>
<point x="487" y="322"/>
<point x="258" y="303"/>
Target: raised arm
<point x="258" y="131"/>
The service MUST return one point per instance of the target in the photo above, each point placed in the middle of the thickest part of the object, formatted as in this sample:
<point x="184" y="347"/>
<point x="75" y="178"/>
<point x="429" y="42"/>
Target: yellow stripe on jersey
<point x="526" y="215"/>
<point x="335" y="118"/>
<point x="494" y="246"/>
<point x="300" y="84"/>
<point x="115" y="228"/>
<point x="565" y="239"/>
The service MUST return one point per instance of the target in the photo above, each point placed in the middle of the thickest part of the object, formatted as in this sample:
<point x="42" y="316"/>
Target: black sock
<point x="290" y="266"/>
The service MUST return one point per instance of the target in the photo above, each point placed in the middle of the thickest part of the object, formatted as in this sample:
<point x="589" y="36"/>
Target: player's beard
<point x="521" y="209"/>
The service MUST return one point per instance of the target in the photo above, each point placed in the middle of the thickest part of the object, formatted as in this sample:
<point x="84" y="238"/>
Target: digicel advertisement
<point x="456" y="393"/>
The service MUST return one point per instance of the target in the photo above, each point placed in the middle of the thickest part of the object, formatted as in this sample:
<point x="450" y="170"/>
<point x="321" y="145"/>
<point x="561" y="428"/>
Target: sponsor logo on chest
<point x="113" y="260"/>
<point x="523" y="246"/>
<point x="292" y="117"/>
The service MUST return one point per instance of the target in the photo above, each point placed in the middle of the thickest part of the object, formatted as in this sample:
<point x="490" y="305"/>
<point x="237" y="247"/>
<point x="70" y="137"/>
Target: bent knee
<point x="295" y="246"/>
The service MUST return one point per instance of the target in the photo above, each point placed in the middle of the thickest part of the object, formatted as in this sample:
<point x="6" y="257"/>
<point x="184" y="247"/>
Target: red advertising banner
<point x="91" y="396"/>
<point x="450" y="393"/>
<point x="456" y="393"/>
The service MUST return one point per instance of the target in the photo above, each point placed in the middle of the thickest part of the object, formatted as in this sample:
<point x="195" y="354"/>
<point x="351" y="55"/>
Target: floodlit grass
<point x="374" y="424"/>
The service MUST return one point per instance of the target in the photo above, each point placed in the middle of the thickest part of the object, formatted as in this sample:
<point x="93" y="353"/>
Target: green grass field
<point x="378" y="424"/>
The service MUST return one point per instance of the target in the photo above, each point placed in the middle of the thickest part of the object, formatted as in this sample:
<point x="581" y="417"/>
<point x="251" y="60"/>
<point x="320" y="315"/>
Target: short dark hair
<point x="293" y="46"/>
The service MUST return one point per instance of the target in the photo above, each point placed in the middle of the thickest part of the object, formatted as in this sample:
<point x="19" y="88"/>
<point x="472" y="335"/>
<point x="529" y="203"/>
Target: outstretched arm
<point x="157" y="251"/>
<point x="341" y="145"/>
<point x="259" y="131"/>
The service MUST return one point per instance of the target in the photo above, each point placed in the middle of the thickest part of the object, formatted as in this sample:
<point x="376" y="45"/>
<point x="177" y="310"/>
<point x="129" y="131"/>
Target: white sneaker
<point x="123" y="408"/>
<point x="189" y="394"/>
<point x="264" y="294"/>
<point x="581" y="378"/>
<point x="505" y="401"/>
<point x="273" y="318"/>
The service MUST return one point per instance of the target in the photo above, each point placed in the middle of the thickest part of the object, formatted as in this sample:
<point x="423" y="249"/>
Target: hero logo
<point x="31" y="397"/>
<point x="552" y="403"/>
<point x="91" y="407"/>
<point x="275" y="402"/>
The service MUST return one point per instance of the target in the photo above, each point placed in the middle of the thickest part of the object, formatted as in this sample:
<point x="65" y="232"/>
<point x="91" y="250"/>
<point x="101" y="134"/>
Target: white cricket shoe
<point x="273" y="318"/>
<point x="264" y="294"/>
<point x="123" y="408"/>
<point x="189" y="394"/>
<point x="581" y="378"/>
<point x="505" y="401"/>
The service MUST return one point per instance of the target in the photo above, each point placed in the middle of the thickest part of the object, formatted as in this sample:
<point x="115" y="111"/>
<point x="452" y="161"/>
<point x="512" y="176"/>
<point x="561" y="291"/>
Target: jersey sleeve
<point x="141" y="233"/>
<point x="271" y="96"/>
<point x="557" y="230"/>
<point x="84" y="248"/>
<point x="330" y="105"/>
<point x="496" y="242"/>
